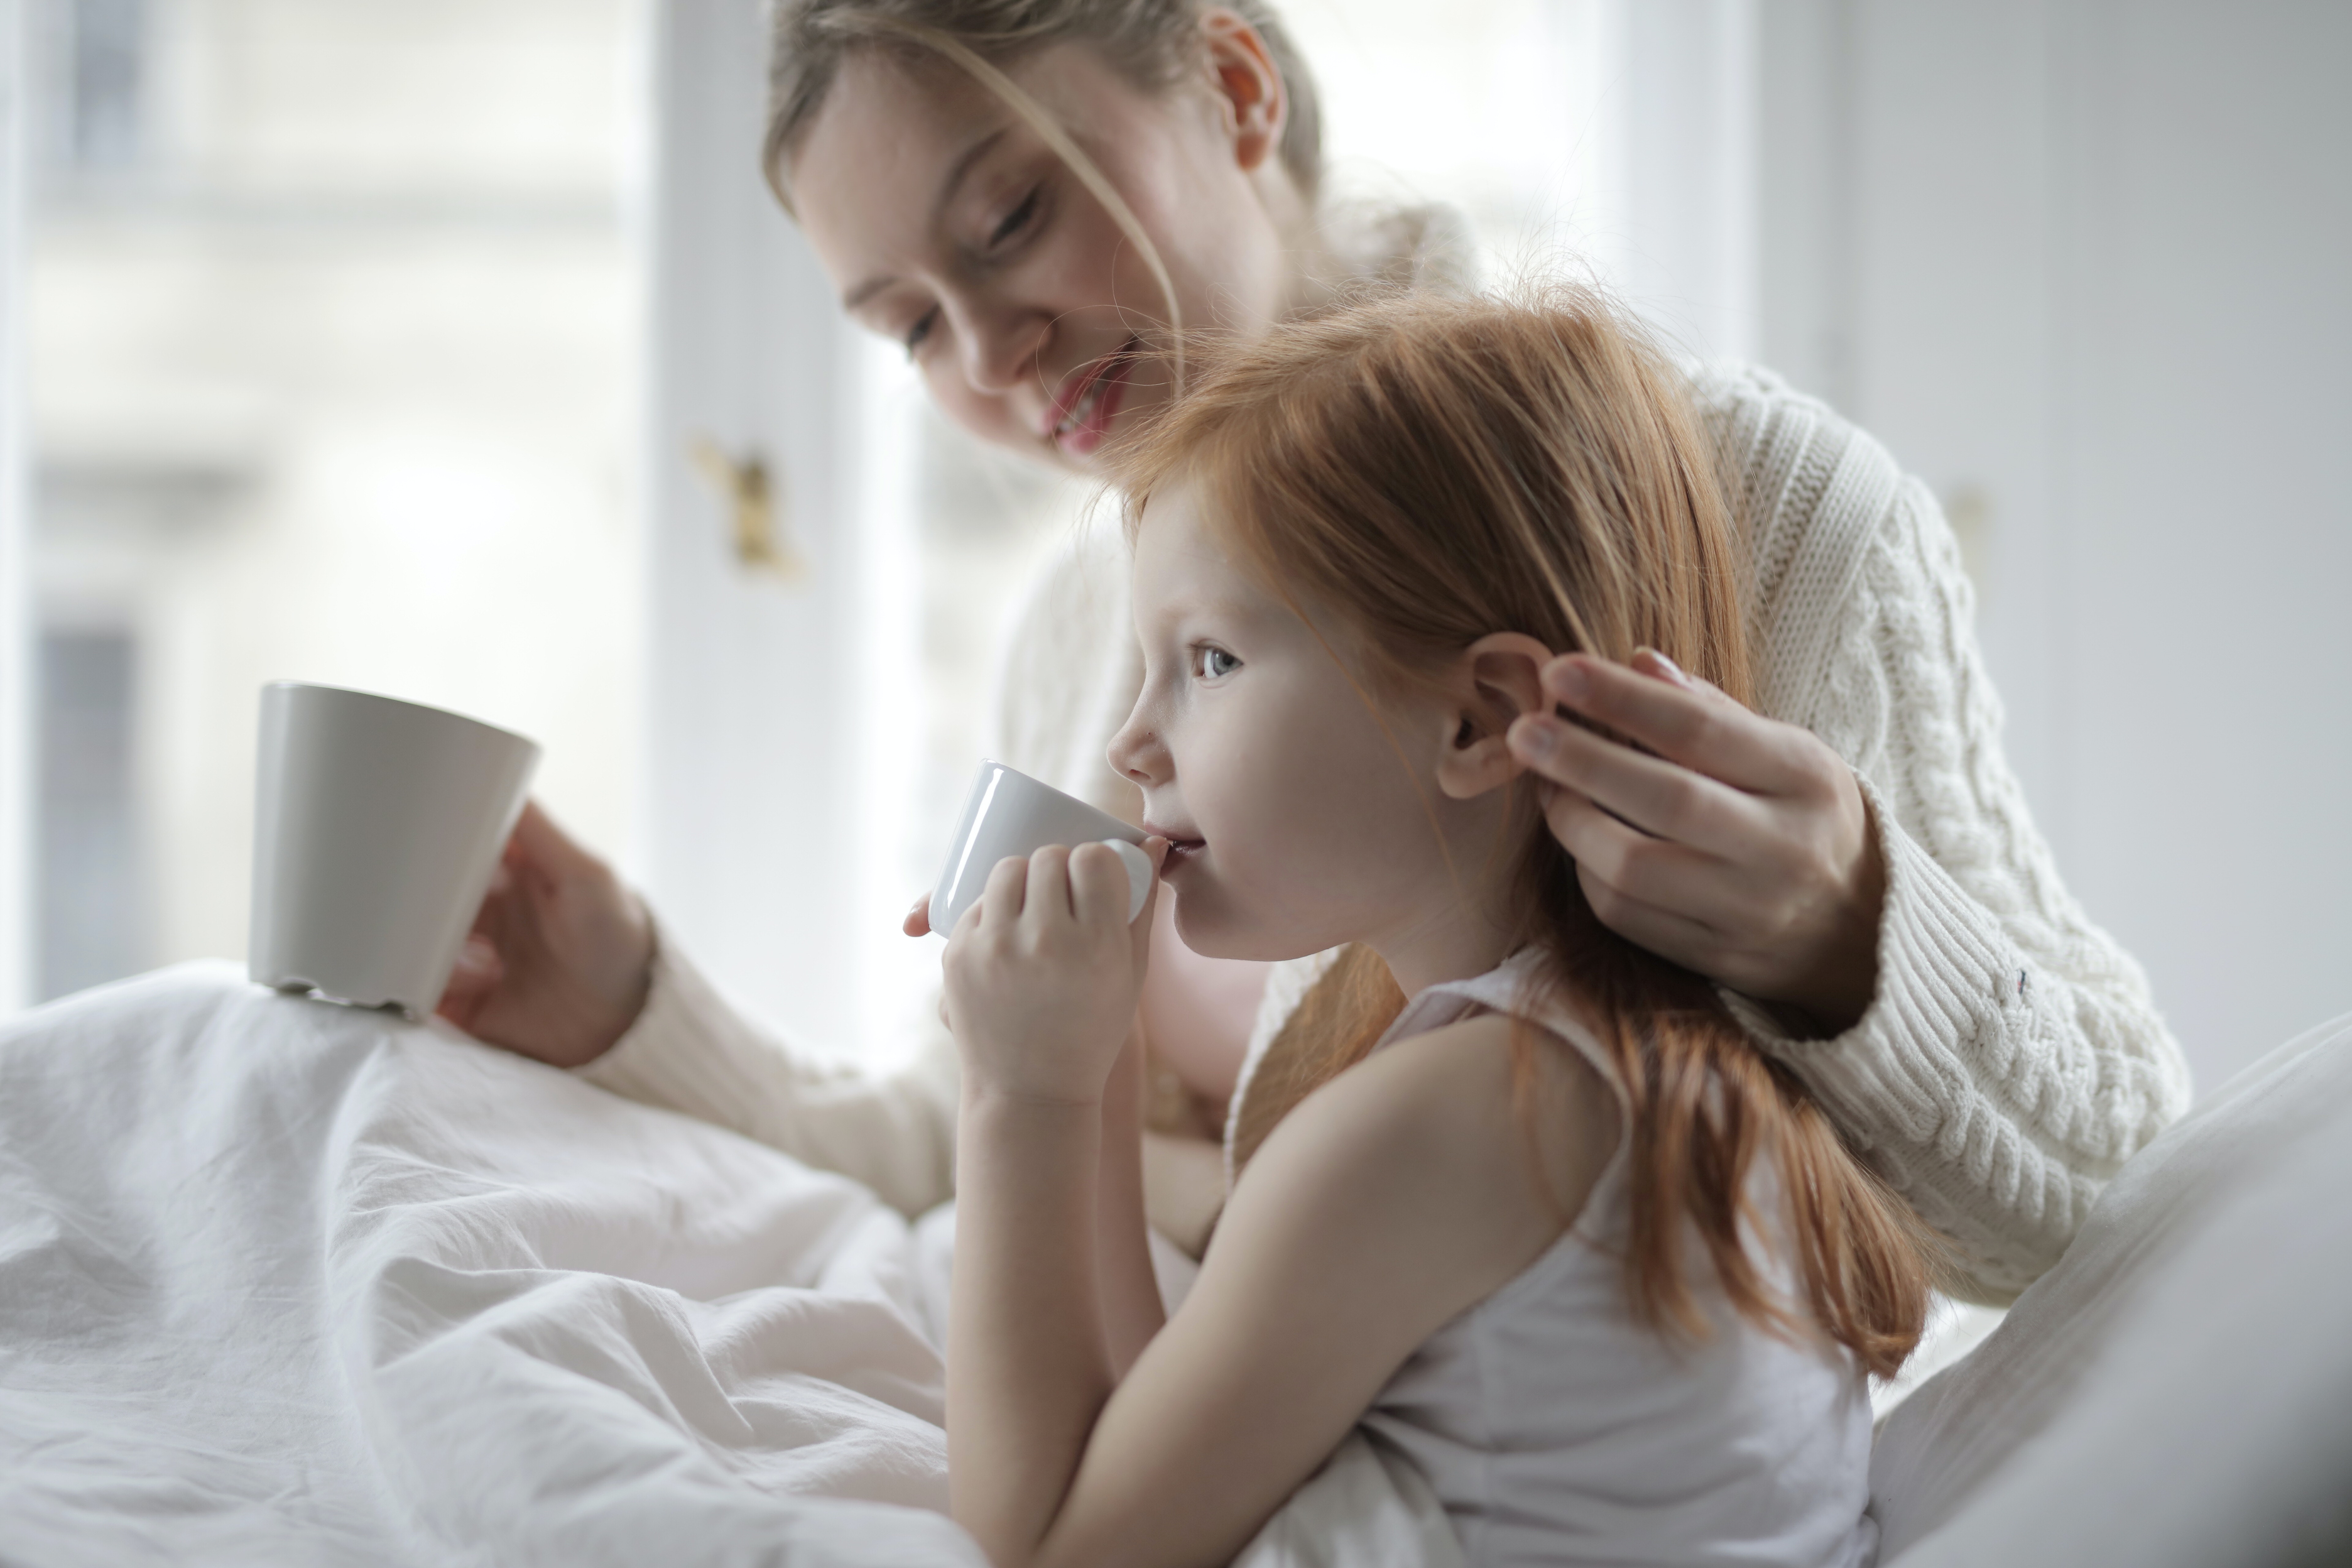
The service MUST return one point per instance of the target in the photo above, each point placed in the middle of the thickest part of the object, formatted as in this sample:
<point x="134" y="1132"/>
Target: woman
<point x="1033" y="197"/>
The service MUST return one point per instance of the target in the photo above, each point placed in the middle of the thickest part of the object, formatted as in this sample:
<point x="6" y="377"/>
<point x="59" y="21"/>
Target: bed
<point x="284" y="1282"/>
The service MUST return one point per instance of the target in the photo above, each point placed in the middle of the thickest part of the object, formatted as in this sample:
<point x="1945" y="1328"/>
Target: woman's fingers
<point x="1692" y="723"/>
<point x="1669" y="933"/>
<point x="1657" y="796"/>
<point x="545" y="852"/>
<point x="919" y="919"/>
<point x="1630" y="864"/>
<point x="473" y="979"/>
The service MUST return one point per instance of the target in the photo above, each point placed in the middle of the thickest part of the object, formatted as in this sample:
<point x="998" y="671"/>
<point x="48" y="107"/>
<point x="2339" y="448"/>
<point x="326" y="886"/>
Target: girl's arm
<point x="1131" y="1309"/>
<point x="1391" y="1200"/>
<point x="1043" y="977"/>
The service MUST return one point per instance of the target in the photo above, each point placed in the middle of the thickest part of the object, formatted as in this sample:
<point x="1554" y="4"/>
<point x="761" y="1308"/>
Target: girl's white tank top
<point x="1557" y="1429"/>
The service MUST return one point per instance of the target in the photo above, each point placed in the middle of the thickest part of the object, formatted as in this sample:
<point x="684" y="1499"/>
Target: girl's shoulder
<point x="1490" y="1116"/>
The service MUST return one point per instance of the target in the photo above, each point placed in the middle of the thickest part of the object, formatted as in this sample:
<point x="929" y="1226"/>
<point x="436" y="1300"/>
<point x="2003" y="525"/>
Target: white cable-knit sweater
<point x="2012" y="1058"/>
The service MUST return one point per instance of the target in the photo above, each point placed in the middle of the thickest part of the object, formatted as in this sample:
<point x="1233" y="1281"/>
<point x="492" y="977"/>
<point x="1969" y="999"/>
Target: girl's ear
<point x="1250" y="84"/>
<point x="1499" y="678"/>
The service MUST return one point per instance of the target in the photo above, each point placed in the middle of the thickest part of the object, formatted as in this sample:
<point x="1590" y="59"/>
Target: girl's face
<point x="949" y="226"/>
<point x="1297" y="818"/>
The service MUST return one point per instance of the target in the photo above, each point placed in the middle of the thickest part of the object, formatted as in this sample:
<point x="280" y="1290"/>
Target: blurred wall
<point x="2081" y="265"/>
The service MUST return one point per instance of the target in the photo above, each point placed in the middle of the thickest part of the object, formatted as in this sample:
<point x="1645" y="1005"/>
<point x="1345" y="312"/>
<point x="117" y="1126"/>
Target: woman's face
<point x="949" y="226"/>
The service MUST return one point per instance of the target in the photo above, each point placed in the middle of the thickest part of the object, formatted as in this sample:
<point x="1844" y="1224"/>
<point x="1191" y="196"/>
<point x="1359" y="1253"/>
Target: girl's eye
<point x="921" y="330"/>
<point x="1211" y="663"/>
<point x="1015" y="219"/>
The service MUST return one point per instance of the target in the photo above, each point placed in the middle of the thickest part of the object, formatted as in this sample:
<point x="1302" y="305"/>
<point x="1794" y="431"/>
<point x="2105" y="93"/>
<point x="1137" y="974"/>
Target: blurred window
<point x="332" y="354"/>
<point x="92" y="69"/>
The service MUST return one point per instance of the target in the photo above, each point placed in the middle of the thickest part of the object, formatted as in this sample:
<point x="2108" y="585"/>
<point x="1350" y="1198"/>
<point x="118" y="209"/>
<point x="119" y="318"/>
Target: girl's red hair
<point x="1428" y="471"/>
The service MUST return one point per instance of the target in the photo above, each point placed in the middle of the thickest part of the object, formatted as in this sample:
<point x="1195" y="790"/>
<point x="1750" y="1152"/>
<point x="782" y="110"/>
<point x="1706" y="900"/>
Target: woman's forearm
<point x="691" y="1051"/>
<point x="1028" y="1361"/>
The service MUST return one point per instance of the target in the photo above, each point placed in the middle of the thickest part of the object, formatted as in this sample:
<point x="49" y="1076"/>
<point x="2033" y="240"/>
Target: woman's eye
<point x="921" y="330"/>
<point x="1213" y="663"/>
<point x="1015" y="219"/>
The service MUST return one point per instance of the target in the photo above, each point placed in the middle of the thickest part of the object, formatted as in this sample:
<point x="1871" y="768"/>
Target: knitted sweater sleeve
<point x="691" y="1050"/>
<point x="2012" y="1058"/>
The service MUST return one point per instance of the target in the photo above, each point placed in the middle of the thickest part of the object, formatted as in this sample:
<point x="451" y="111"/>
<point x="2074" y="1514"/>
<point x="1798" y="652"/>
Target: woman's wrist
<point x="1843" y="981"/>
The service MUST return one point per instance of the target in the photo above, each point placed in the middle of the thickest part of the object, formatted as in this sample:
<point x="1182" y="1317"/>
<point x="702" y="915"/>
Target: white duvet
<point x="284" y="1282"/>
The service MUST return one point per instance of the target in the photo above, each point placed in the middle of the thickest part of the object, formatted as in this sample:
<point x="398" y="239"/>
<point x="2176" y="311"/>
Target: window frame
<point x="778" y="751"/>
<point x="16" y="616"/>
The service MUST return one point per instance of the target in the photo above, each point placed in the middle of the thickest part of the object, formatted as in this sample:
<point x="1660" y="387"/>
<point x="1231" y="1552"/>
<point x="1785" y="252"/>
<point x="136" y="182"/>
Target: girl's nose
<point x="1136" y="753"/>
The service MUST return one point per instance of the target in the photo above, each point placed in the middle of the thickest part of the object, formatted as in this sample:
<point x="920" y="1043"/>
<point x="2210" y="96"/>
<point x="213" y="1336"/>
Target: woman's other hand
<point x="1043" y="972"/>
<point x="561" y="956"/>
<point x="1741" y="849"/>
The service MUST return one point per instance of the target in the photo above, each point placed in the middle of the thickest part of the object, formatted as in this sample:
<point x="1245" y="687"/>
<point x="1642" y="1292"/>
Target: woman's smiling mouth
<point x="1087" y="406"/>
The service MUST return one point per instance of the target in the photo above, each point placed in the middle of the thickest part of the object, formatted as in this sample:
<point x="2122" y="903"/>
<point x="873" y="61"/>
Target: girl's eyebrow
<point x="956" y="172"/>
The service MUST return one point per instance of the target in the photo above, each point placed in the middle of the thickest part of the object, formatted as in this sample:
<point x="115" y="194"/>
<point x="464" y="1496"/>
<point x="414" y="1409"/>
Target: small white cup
<point x="377" y="825"/>
<point x="1008" y="812"/>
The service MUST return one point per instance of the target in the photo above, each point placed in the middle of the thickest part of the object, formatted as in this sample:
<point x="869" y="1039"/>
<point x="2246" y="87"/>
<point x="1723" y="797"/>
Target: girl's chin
<point x="1213" y="928"/>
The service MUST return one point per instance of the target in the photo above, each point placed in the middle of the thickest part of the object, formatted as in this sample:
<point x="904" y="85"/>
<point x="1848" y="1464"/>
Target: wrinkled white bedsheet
<point x="282" y="1282"/>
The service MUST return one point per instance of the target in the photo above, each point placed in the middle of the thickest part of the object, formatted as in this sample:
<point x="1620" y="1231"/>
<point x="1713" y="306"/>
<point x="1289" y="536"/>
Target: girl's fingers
<point x="1002" y="896"/>
<point x="1140" y="929"/>
<point x="1098" y="889"/>
<point x="1049" y="899"/>
<point x="919" y="919"/>
<point x="1657" y="796"/>
<point x="1692" y="724"/>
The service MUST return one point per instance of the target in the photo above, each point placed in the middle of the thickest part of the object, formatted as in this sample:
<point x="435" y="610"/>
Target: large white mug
<point x="377" y="825"/>
<point x="1008" y="812"/>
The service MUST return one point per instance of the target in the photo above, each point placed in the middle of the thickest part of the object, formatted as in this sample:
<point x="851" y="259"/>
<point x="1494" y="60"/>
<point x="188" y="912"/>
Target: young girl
<point x="1528" y="1205"/>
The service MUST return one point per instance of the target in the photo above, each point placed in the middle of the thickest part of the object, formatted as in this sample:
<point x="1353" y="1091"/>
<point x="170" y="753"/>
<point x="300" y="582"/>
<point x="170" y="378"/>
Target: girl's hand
<point x="1742" y="849"/>
<point x="1044" y="971"/>
<point x="561" y="956"/>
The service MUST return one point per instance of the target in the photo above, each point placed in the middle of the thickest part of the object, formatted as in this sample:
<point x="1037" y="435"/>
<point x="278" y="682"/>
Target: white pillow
<point x="2178" y="1389"/>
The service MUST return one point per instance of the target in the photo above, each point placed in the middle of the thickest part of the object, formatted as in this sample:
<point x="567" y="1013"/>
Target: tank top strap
<point x="1502" y="989"/>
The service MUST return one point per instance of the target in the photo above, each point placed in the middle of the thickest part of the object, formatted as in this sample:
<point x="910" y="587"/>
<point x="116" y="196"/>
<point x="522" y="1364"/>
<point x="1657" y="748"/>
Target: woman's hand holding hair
<point x="1735" y="844"/>
<point x="561" y="957"/>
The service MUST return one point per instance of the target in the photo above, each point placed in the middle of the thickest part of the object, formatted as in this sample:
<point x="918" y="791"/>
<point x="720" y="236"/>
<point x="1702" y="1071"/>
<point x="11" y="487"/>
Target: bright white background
<point x="2078" y="262"/>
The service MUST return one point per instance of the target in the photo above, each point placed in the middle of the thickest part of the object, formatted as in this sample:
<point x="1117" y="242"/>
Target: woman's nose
<point x="1001" y="349"/>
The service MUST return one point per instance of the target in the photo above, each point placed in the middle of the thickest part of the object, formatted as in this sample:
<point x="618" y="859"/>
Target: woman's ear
<point x="1249" y="85"/>
<point x="1499" y="678"/>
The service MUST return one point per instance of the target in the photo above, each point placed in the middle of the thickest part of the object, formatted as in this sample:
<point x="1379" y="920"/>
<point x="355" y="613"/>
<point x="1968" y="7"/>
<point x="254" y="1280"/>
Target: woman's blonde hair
<point x="1150" y="42"/>
<point x="1425" y="470"/>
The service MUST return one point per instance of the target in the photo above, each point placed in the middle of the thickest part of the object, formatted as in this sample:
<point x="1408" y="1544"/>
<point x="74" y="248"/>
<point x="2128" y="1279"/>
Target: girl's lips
<point x="1181" y="851"/>
<point x="1086" y="409"/>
